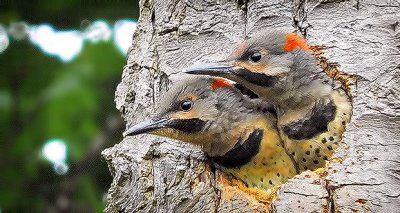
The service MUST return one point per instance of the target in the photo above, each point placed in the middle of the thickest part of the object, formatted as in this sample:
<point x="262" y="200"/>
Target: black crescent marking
<point x="242" y="152"/>
<point x="309" y="127"/>
<point x="192" y="125"/>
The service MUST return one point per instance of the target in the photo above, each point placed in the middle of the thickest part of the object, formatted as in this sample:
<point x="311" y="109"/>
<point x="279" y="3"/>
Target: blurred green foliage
<point x="42" y="98"/>
<point x="69" y="13"/>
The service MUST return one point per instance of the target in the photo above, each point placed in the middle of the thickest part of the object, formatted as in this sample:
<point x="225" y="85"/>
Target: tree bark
<point x="154" y="174"/>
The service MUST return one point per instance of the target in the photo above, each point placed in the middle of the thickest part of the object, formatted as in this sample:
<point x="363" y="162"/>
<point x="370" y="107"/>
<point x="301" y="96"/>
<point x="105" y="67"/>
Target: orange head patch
<point x="220" y="82"/>
<point x="294" y="41"/>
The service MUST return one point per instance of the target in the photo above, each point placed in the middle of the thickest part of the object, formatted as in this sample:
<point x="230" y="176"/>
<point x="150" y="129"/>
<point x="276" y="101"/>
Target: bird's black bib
<point x="317" y="122"/>
<point x="242" y="152"/>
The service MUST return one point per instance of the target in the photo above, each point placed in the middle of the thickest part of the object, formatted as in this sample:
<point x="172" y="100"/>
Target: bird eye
<point x="255" y="57"/>
<point x="186" y="105"/>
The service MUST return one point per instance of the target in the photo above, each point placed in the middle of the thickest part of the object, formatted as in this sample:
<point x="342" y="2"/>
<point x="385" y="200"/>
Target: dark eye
<point x="255" y="57"/>
<point x="186" y="105"/>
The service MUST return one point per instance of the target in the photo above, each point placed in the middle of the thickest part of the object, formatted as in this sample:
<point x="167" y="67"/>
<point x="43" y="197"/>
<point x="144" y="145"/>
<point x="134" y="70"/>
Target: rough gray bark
<point x="153" y="174"/>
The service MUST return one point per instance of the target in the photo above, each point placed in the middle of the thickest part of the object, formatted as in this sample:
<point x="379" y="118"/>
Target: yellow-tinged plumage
<point x="311" y="154"/>
<point x="280" y="69"/>
<point x="239" y="134"/>
<point x="272" y="165"/>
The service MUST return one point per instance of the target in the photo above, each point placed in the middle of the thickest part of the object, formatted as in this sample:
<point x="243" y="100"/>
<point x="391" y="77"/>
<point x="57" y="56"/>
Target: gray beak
<point x="146" y="126"/>
<point x="212" y="69"/>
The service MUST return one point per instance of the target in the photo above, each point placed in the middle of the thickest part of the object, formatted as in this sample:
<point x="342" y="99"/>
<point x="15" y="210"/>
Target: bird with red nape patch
<point x="239" y="134"/>
<point x="279" y="67"/>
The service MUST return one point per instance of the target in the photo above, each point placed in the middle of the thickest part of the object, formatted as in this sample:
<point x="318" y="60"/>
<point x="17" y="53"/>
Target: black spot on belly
<point x="316" y="161"/>
<point x="320" y="116"/>
<point x="317" y="152"/>
<point x="307" y="152"/>
<point x="242" y="152"/>
<point x="330" y="147"/>
<point x="304" y="160"/>
<point x="323" y="140"/>
<point x="331" y="138"/>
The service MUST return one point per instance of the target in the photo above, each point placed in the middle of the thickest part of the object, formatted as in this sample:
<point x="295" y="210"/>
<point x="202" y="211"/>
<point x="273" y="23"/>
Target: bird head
<point x="200" y="110"/>
<point x="276" y="65"/>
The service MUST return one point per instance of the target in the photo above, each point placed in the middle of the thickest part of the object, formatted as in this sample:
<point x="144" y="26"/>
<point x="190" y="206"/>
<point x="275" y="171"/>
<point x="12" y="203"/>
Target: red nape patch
<point x="220" y="82"/>
<point x="294" y="41"/>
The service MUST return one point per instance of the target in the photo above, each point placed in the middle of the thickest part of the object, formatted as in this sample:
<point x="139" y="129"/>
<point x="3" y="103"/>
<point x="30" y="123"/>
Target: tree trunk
<point x="154" y="174"/>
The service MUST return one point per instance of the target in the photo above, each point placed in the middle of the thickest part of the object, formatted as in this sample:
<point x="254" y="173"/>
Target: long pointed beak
<point x="146" y="126"/>
<point x="213" y="69"/>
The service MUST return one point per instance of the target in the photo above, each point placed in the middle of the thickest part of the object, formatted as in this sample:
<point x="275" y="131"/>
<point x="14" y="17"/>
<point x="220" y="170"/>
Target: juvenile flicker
<point x="279" y="68"/>
<point x="237" y="133"/>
